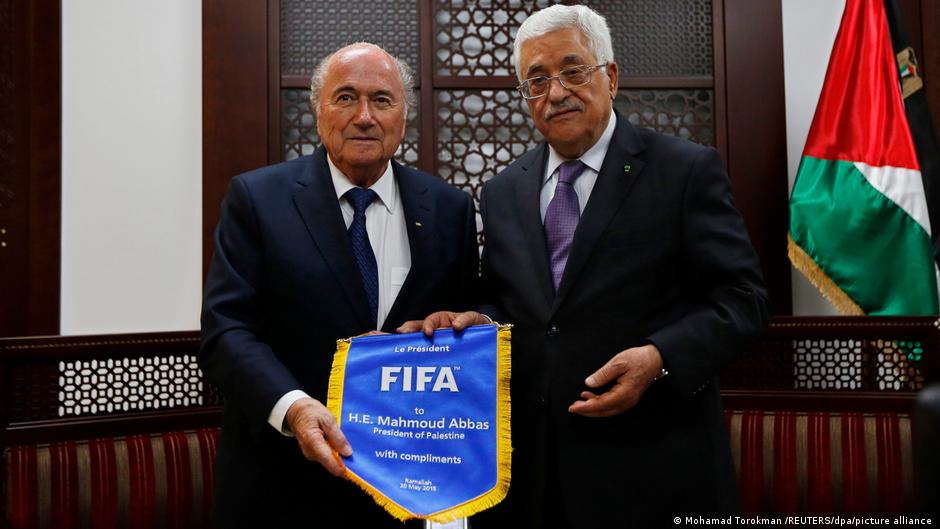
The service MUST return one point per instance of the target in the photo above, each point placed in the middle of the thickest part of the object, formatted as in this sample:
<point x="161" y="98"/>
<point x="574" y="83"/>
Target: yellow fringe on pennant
<point x="808" y="267"/>
<point x="334" y="403"/>
<point x="396" y="510"/>
<point x="503" y="436"/>
<point x="334" y="394"/>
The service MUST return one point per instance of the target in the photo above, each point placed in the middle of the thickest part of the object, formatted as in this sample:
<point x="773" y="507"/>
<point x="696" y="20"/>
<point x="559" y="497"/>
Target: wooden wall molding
<point x="29" y="387"/>
<point x="756" y="135"/>
<point x="235" y="121"/>
<point x="30" y="160"/>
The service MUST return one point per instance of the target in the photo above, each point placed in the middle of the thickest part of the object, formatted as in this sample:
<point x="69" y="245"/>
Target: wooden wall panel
<point x="30" y="166"/>
<point x="757" y="146"/>
<point x="234" y="101"/>
<point x="14" y="153"/>
<point x="922" y="24"/>
<point x="910" y="13"/>
<point x="930" y="57"/>
<point x="45" y="166"/>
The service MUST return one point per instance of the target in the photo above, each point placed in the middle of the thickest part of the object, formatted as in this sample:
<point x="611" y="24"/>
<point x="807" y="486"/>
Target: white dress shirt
<point x="593" y="158"/>
<point x="388" y="235"/>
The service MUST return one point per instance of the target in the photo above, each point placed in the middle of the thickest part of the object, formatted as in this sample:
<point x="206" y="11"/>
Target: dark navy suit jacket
<point x="283" y="286"/>
<point x="660" y="256"/>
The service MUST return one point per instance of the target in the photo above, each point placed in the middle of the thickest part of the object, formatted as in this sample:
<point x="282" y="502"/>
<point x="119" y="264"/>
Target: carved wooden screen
<point x="470" y="121"/>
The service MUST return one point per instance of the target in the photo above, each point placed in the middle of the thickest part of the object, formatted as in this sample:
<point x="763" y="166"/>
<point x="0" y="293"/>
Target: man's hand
<point x="442" y="320"/>
<point x="633" y="370"/>
<point x="318" y="434"/>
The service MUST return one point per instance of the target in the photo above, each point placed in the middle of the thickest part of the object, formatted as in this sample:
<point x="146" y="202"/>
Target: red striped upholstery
<point x="787" y="463"/>
<point x="142" y="481"/>
<point x="822" y="463"/>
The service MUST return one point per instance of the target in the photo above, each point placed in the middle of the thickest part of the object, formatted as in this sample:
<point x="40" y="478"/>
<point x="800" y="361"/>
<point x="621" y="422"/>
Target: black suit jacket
<point x="283" y="286"/>
<point x="660" y="256"/>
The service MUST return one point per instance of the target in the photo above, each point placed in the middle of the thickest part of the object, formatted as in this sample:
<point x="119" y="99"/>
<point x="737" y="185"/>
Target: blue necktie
<point x="561" y="218"/>
<point x="362" y="249"/>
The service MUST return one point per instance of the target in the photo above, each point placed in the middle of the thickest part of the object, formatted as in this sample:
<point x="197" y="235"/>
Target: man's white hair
<point x="592" y="25"/>
<point x="405" y="75"/>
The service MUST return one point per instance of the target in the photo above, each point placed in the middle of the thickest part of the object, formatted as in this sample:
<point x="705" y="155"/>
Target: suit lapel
<point x="418" y="208"/>
<point x="527" y="184"/>
<point x="317" y="204"/>
<point x="617" y="175"/>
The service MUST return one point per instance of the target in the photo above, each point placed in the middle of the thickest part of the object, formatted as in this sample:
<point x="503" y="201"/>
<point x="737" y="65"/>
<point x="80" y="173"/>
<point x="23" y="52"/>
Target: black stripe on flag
<point x="925" y="141"/>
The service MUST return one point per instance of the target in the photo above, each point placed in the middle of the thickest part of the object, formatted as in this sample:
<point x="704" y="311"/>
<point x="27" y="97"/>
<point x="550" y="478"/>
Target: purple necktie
<point x="561" y="218"/>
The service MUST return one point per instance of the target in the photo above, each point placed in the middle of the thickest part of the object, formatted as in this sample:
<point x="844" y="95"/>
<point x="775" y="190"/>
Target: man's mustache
<point x="565" y="106"/>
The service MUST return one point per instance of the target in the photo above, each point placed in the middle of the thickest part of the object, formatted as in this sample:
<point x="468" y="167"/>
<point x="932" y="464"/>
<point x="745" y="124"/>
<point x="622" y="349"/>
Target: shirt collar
<point x="593" y="157"/>
<point x="384" y="187"/>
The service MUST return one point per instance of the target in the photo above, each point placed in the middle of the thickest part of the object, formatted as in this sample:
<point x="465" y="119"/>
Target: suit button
<point x="541" y="398"/>
<point x="553" y="330"/>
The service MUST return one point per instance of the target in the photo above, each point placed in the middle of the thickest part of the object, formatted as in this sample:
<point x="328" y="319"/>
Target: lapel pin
<point x="626" y="169"/>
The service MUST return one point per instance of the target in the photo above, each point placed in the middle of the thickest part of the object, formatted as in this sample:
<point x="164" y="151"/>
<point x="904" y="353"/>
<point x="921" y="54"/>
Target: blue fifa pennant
<point x="427" y="418"/>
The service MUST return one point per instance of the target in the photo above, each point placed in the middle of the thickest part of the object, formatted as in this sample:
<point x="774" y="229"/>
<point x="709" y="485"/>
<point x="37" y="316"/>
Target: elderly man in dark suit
<point x="618" y="255"/>
<point x="327" y="246"/>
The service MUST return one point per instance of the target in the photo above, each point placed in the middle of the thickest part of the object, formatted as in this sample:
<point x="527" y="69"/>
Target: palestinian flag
<point x="859" y="222"/>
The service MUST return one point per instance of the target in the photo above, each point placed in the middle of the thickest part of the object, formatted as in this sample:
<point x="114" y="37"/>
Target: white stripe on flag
<point x="902" y="186"/>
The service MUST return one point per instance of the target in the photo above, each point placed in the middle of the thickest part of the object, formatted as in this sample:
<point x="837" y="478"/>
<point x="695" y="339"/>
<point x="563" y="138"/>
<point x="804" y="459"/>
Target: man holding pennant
<point x="860" y="226"/>
<point x="626" y="271"/>
<point x="327" y="246"/>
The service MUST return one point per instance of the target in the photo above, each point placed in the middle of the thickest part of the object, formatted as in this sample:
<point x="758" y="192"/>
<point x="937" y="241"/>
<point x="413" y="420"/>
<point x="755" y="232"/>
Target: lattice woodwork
<point x="480" y="132"/>
<point x="886" y="365"/>
<point x="828" y="364"/>
<point x="688" y="114"/>
<point x="652" y="38"/>
<point x="841" y="363"/>
<point x="95" y="387"/>
<point x="656" y="38"/>
<point x="312" y="29"/>
<point x="299" y="128"/>
<point x="109" y="384"/>
<point x="474" y="38"/>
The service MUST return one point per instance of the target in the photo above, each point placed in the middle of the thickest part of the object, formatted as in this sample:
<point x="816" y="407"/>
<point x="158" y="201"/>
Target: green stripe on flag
<point x="865" y="243"/>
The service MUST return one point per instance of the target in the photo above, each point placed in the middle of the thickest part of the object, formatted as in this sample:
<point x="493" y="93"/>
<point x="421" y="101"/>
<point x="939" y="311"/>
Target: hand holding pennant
<point x="428" y="418"/>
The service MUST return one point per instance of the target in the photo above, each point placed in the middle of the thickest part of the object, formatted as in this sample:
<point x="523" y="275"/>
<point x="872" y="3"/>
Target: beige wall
<point x="131" y="165"/>
<point x="809" y="29"/>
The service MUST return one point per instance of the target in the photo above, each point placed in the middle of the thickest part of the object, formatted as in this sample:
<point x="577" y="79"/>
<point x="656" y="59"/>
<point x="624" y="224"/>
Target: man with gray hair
<point x="327" y="246"/>
<point x="618" y="255"/>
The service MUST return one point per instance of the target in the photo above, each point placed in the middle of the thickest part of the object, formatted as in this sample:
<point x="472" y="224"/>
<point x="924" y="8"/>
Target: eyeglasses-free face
<point x="361" y="112"/>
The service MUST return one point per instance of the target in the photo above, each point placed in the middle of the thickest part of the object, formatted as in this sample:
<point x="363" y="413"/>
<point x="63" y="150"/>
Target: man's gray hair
<point x="405" y="75"/>
<point x="592" y="25"/>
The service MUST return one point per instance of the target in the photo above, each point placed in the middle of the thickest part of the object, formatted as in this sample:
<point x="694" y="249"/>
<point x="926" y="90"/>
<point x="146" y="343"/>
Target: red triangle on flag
<point x="860" y="116"/>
